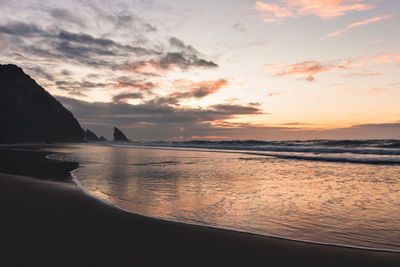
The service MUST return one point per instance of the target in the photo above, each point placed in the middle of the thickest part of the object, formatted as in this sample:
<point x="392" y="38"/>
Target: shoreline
<point x="118" y="237"/>
<point x="76" y="182"/>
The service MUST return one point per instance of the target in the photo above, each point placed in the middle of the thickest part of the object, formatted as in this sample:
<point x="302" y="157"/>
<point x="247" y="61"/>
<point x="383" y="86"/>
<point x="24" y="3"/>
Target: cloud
<point x="134" y="84"/>
<point x="41" y="73"/>
<point x="306" y="68"/>
<point x="275" y="93"/>
<point x="397" y="57"/>
<point x="183" y="61"/>
<point x="20" y="29"/>
<point x="354" y="25"/>
<point x="232" y="109"/>
<point x="149" y="121"/>
<point x="166" y="63"/>
<point x="180" y="56"/>
<point x="88" y="39"/>
<point x="309" y="69"/>
<point x="198" y="89"/>
<point x="66" y="15"/>
<point x="361" y="74"/>
<point x="325" y="9"/>
<point x="376" y="91"/>
<point x="124" y="97"/>
<point x="112" y="52"/>
<point x="152" y="113"/>
<point x="193" y="90"/>
<point x="79" y="88"/>
<point x="84" y="38"/>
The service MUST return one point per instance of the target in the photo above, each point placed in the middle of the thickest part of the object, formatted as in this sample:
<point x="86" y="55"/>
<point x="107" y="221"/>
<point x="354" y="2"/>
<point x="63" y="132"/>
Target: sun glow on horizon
<point x="262" y="70"/>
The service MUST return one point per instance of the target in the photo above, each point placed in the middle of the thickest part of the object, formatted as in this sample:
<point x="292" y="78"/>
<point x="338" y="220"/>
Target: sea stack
<point x="90" y="136"/>
<point x="103" y="139"/>
<point x="29" y="114"/>
<point x="119" y="136"/>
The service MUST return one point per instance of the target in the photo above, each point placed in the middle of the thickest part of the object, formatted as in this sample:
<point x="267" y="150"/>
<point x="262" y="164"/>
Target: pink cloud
<point x="376" y="91"/>
<point x="306" y="68"/>
<point x="309" y="69"/>
<point x="356" y="24"/>
<point x="321" y="8"/>
<point x="361" y="74"/>
<point x="397" y="57"/>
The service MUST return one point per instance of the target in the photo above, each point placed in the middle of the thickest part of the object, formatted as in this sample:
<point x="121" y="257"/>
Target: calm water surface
<point x="329" y="202"/>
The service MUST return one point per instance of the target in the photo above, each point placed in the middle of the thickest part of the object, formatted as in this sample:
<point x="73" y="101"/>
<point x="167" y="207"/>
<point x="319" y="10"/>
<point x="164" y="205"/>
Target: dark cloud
<point x="66" y="72"/>
<point x="88" y="39"/>
<point x="118" y="44"/>
<point x="152" y="112"/>
<point x="126" y="96"/>
<point x="79" y="88"/>
<point x="233" y="109"/>
<point x="84" y="38"/>
<point x="175" y="42"/>
<point x="66" y="15"/>
<point x="41" y="73"/>
<point x="20" y="29"/>
<point x="186" y="56"/>
<point x="154" y="121"/>
<point x="83" y="48"/>
<point x="81" y="52"/>
<point x="167" y="62"/>
<point x="184" y="61"/>
<point x="131" y="21"/>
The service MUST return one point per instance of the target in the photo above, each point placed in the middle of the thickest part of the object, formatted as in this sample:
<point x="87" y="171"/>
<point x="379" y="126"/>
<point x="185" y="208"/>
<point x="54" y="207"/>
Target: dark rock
<point x="103" y="139"/>
<point x="30" y="114"/>
<point x="119" y="136"/>
<point x="90" y="136"/>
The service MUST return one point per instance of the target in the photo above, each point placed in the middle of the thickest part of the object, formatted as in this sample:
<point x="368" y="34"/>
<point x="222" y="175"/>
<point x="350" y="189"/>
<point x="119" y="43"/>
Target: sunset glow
<point x="181" y="70"/>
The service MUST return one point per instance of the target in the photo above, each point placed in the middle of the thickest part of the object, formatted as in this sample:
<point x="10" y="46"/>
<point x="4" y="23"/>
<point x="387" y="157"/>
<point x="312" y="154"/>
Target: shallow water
<point x="329" y="202"/>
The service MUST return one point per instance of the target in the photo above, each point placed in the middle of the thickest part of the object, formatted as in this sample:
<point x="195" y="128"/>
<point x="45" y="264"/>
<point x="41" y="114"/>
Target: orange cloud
<point x="376" y="91"/>
<point x="354" y="25"/>
<point x="308" y="69"/>
<point x="321" y="8"/>
<point x="274" y="93"/>
<point x="363" y="74"/>
<point x="397" y="57"/>
<point x="198" y="89"/>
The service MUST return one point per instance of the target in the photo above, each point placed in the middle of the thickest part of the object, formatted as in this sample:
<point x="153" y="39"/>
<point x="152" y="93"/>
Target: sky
<point x="218" y="70"/>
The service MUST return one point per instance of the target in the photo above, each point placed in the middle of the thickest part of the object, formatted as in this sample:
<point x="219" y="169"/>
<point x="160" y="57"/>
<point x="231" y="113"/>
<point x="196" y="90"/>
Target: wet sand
<point x="52" y="223"/>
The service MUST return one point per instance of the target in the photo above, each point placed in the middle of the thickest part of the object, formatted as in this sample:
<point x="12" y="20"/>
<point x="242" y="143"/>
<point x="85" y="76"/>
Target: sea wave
<point x="361" y="155"/>
<point x="360" y="147"/>
<point x="359" y="160"/>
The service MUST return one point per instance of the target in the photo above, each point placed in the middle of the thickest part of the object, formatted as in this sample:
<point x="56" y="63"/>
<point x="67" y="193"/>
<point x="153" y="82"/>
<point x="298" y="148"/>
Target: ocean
<point x="324" y="191"/>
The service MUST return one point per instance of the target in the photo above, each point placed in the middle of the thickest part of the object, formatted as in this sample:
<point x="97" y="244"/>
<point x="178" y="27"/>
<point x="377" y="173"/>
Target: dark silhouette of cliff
<point x="119" y="135"/>
<point x="90" y="136"/>
<point x="103" y="139"/>
<point x="30" y="114"/>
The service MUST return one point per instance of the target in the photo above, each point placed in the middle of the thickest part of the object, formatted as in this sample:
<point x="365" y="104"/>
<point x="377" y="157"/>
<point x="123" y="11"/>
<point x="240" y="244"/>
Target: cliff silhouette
<point x="28" y="113"/>
<point x="119" y="136"/>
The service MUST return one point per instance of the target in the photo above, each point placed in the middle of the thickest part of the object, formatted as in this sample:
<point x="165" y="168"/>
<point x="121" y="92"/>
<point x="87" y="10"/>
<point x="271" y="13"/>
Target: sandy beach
<point x="52" y="223"/>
